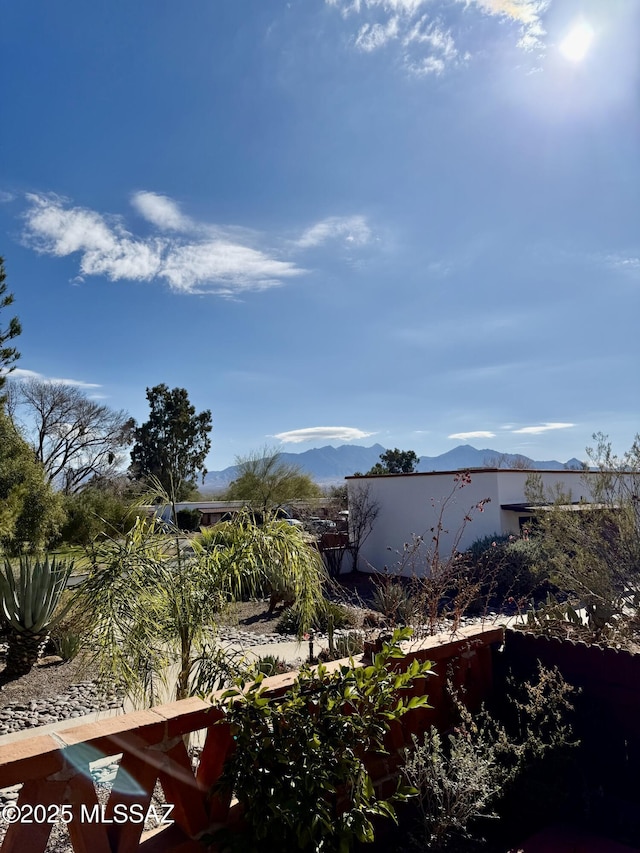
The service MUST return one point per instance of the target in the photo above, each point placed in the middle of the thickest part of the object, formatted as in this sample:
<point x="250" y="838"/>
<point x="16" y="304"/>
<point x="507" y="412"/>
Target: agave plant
<point x="28" y="608"/>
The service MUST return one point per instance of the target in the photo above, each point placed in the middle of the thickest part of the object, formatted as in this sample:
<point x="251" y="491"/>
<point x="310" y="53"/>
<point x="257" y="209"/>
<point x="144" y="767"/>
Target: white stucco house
<point x="492" y="500"/>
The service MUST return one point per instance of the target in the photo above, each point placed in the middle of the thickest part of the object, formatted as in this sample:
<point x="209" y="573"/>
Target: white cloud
<point x="352" y="229"/>
<point x="535" y="430"/>
<point x="373" y="36"/>
<point x="6" y="197"/>
<point x="479" y="433"/>
<point x="295" y="436"/>
<point x="214" y="262"/>
<point x="22" y="373"/>
<point x="161" y="211"/>
<point x="407" y="7"/>
<point x="426" y="46"/>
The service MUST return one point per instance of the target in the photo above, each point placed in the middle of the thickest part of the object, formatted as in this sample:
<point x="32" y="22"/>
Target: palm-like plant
<point x="274" y="557"/>
<point x="156" y="598"/>
<point x="28" y="607"/>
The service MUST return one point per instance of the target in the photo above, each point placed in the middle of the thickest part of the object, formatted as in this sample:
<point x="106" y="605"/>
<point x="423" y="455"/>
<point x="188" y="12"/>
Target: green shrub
<point x="298" y="768"/>
<point x="94" y="512"/>
<point x="508" y="567"/>
<point x="331" y="617"/>
<point x="392" y="598"/>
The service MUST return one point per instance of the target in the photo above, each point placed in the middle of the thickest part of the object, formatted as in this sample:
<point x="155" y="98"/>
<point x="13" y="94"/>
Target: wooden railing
<point x="54" y="769"/>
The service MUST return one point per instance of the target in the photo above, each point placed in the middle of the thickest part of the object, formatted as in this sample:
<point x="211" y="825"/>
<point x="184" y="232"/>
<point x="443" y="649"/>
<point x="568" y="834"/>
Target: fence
<point x="54" y="769"/>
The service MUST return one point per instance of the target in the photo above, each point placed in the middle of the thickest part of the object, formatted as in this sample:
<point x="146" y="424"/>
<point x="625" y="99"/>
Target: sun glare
<point x="577" y="42"/>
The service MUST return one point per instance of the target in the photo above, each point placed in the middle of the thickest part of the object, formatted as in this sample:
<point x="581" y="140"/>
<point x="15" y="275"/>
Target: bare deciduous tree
<point x="363" y="511"/>
<point x="73" y="437"/>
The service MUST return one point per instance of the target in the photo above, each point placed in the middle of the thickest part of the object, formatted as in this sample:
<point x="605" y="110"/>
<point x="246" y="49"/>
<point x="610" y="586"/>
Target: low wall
<point x="606" y="722"/>
<point x="55" y="774"/>
<point x="608" y="678"/>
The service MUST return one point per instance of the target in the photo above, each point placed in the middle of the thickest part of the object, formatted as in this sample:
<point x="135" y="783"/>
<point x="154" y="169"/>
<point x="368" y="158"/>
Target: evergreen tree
<point x="8" y="354"/>
<point x="171" y="447"/>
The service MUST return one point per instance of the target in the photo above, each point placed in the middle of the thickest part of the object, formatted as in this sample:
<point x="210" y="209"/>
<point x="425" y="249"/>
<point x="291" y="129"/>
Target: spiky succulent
<point x="28" y="603"/>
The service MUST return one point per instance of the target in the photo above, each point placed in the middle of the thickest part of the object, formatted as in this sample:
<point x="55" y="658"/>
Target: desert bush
<point x="508" y="567"/>
<point x="461" y="777"/>
<point x="443" y="585"/>
<point x="95" y="512"/>
<point x="332" y="616"/>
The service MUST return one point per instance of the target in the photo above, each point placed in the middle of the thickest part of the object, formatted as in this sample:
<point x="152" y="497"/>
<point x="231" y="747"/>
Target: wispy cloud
<point x="215" y="261"/>
<point x="426" y="45"/>
<point x="6" y="197"/>
<point x="478" y="433"/>
<point x="190" y="256"/>
<point x="296" y="436"/>
<point x="353" y="230"/>
<point x="21" y="373"/>
<point x="536" y="430"/>
<point x="527" y="13"/>
<point x="372" y="36"/>
<point x="625" y="263"/>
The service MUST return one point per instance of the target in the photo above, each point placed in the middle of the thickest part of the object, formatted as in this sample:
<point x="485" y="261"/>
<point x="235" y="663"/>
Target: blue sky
<point x="410" y="222"/>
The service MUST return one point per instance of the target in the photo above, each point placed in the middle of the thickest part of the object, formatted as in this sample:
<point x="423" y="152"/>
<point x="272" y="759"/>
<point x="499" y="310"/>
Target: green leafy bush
<point x="299" y="765"/>
<point x="95" y="512"/>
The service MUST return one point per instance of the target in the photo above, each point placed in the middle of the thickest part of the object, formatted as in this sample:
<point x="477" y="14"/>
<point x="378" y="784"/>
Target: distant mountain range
<point x="330" y="465"/>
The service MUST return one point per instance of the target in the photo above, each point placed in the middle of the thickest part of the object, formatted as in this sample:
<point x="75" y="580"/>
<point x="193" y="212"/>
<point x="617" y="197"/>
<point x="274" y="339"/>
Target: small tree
<point x="442" y="579"/>
<point x="265" y="481"/>
<point x="171" y="447"/>
<point x="8" y="354"/>
<point x="155" y="602"/>
<point x="593" y="549"/>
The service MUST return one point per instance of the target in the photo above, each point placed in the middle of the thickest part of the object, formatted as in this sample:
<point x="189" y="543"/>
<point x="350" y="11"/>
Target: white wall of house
<point x="410" y="504"/>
